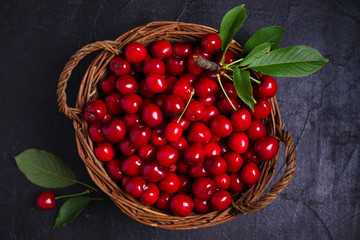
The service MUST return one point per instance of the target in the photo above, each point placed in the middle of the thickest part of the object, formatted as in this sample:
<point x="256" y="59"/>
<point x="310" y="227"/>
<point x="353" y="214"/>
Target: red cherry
<point x="95" y="111"/>
<point x="199" y="132"/>
<point x="229" y="57"/>
<point x="173" y="132"/>
<point x="205" y="87"/>
<point x="124" y="181"/>
<point x="158" y="138"/>
<point x="113" y="168"/>
<point x="256" y="130"/>
<point x="224" y="148"/>
<point x="107" y="85"/>
<point x="135" y="52"/>
<point x="131" y="165"/>
<point x="198" y="171"/>
<point x="241" y="119"/>
<point x="222" y="181"/>
<point x="211" y="149"/>
<point x="188" y="76"/>
<point x="181" y="205"/>
<point x="221" y="126"/>
<point x="130" y="120"/>
<point x="211" y="42"/>
<point x="266" y="148"/>
<point x="208" y="101"/>
<point x="170" y="80"/>
<point x="192" y="66"/>
<point x="154" y="65"/>
<point x="119" y="66"/>
<point x="150" y="194"/>
<point x="161" y="49"/>
<point x="95" y="132"/>
<point x="146" y="151"/>
<point x="155" y="83"/>
<point x="163" y="201"/>
<point x="181" y="144"/>
<point x="126" y="147"/>
<point x="182" y="167"/>
<point x="104" y="151"/>
<point x="224" y="105"/>
<point x="215" y="165"/>
<point x="268" y="87"/>
<point x="198" y="51"/>
<point x="236" y="185"/>
<point x="113" y="103"/>
<point x="182" y="49"/>
<point x="151" y="171"/>
<point x="143" y="91"/>
<point x="249" y="174"/>
<point x="107" y="118"/>
<point x="195" y="111"/>
<point x="140" y="135"/>
<point x="174" y="105"/>
<point x="46" y="200"/>
<point x="182" y="88"/>
<point x="160" y="100"/>
<point x="238" y="142"/>
<point x="131" y="103"/>
<point x="194" y="153"/>
<point x="210" y="112"/>
<point x="216" y="139"/>
<point x="126" y="84"/>
<point x="251" y="156"/>
<point x="233" y="161"/>
<point x="209" y="74"/>
<point x="203" y="188"/>
<point x="201" y="206"/>
<point x="170" y="184"/>
<point x="220" y="200"/>
<point x="152" y="115"/>
<point x="135" y="186"/>
<point x="167" y="155"/>
<point x="262" y="109"/>
<point x="175" y="65"/>
<point x="185" y="184"/>
<point x="115" y="130"/>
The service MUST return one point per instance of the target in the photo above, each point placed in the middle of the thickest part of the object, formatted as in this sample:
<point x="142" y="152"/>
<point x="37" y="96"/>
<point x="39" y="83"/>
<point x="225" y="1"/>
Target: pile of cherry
<point x="169" y="135"/>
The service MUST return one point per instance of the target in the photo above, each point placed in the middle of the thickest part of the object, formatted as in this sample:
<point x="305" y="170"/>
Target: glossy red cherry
<point x="215" y="165"/>
<point x="224" y="105"/>
<point x="238" y="142"/>
<point x="202" y="188"/>
<point x="216" y="139"/>
<point x="107" y="85"/>
<point x="167" y="155"/>
<point x="107" y="118"/>
<point x="195" y="111"/>
<point x="155" y="83"/>
<point x="170" y="184"/>
<point x="174" y="65"/>
<point x="199" y="133"/>
<point x="236" y="185"/>
<point x="256" y="130"/>
<point x="154" y="65"/>
<point x="126" y="84"/>
<point x="170" y="80"/>
<point x="181" y="144"/>
<point x="261" y="109"/>
<point x="140" y="135"/>
<point x="147" y="151"/>
<point x="266" y="148"/>
<point x="143" y="91"/>
<point x="95" y="111"/>
<point x="229" y="57"/>
<point x="135" y="186"/>
<point x="185" y="124"/>
<point x="115" y="130"/>
<point x="249" y="174"/>
<point x="211" y="149"/>
<point x="135" y="52"/>
<point x="126" y="147"/>
<point x="222" y="181"/>
<point x="131" y="165"/>
<point x="208" y="101"/>
<point x="158" y="138"/>
<point x="160" y="100"/>
<point x="233" y="161"/>
<point x="197" y="171"/>
<point x="46" y="200"/>
<point x="152" y="115"/>
<point x="251" y="156"/>
<point x="151" y="194"/>
<point x="95" y="132"/>
<point x="151" y="171"/>
<point x="181" y="205"/>
<point x="174" y="105"/>
<point x="161" y="49"/>
<point x="182" y="88"/>
<point x="268" y="87"/>
<point x="185" y="184"/>
<point x="205" y="87"/>
<point x="210" y="112"/>
<point x="192" y="66"/>
<point x="163" y="201"/>
<point x="113" y="103"/>
<point x="130" y="103"/>
<point x="194" y="153"/>
<point x="220" y="200"/>
<point x="188" y="76"/>
<point x="182" y="49"/>
<point x="241" y="119"/>
<point x="119" y="66"/>
<point x="113" y="168"/>
<point x="211" y="42"/>
<point x="104" y="151"/>
<point x="198" y="51"/>
<point x="124" y="181"/>
<point x="221" y="126"/>
<point x="201" y="206"/>
<point x="130" y="120"/>
<point x="173" y="131"/>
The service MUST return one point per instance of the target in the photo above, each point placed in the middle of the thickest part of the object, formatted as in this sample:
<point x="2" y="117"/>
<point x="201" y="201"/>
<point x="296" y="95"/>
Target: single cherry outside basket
<point x="252" y="200"/>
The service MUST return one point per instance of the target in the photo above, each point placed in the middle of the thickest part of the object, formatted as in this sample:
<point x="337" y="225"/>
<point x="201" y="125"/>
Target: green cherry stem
<point x="74" y="195"/>
<point x="187" y="104"/>
<point x="86" y="185"/>
<point x="255" y="80"/>
<point x="232" y="63"/>
<point x="230" y="78"/>
<point x="222" y="88"/>
<point x="223" y="56"/>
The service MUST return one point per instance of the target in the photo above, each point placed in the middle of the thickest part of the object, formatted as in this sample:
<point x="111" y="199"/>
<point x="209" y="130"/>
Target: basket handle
<point x="73" y="113"/>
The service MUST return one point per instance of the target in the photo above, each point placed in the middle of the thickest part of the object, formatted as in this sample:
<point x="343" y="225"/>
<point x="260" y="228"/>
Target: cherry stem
<point x="230" y="78"/>
<point x="222" y="88"/>
<point x="187" y="104"/>
<point x="255" y="80"/>
<point x="206" y="64"/>
<point x="74" y="195"/>
<point x="223" y="56"/>
<point x="86" y="185"/>
<point x="232" y="63"/>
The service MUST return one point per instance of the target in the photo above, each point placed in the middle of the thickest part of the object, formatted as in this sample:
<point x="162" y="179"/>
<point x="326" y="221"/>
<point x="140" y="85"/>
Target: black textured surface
<point x="321" y="111"/>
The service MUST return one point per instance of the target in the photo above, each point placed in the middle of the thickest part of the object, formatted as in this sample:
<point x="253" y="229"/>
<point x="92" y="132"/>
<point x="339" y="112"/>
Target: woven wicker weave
<point x="252" y="200"/>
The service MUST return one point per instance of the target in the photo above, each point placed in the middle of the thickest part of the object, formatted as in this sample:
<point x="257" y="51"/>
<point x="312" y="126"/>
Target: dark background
<point x="321" y="111"/>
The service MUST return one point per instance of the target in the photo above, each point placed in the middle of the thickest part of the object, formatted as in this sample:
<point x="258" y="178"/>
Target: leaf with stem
<point x="243" y="86"/>
<point x="259" y="51"/>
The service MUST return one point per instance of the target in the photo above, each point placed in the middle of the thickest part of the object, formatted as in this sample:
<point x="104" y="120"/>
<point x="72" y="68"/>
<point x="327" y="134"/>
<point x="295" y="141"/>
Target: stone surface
<point x="321" y="111"/>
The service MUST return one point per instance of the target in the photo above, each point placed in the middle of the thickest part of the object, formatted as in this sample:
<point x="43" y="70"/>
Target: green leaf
<point x="71" y="209"/>
<point x="45" y="169"/>
<point x="243" y="86"/>
<point x="295" y="61"/>
<point x="256" y="53"/>
<point x="230" y="24"/>
<point x="271" y="34"/>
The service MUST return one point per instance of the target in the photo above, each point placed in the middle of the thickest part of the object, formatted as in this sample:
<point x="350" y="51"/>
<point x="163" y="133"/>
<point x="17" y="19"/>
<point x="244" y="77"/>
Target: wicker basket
<point x="252" y="200"/>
